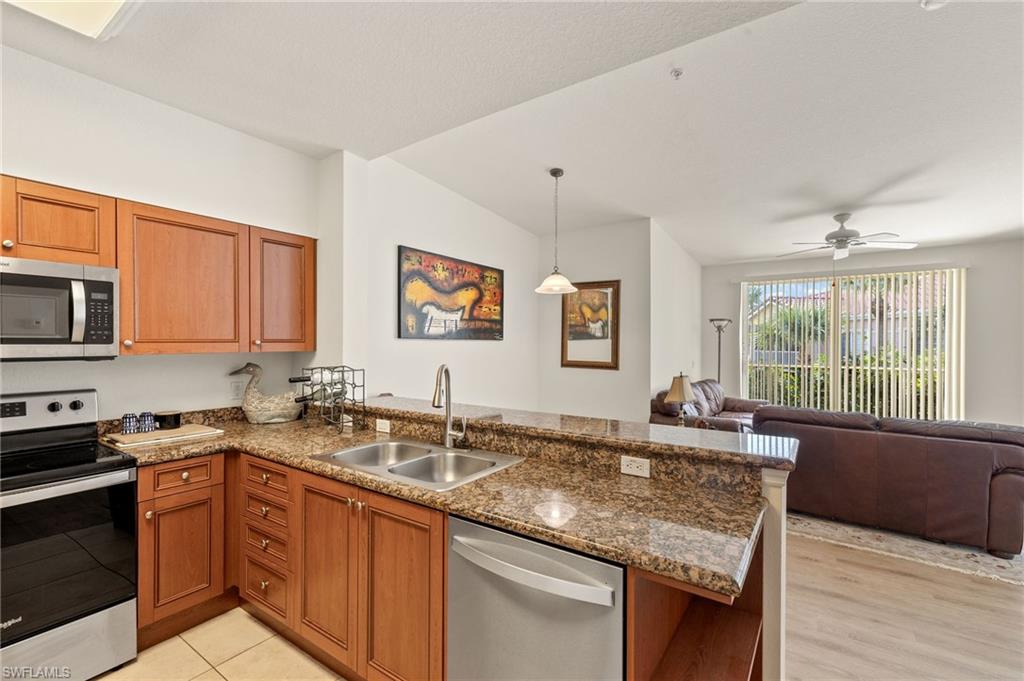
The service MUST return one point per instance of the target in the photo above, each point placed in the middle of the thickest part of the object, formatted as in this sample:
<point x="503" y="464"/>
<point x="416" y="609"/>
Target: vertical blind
<point x="890" y="344"/>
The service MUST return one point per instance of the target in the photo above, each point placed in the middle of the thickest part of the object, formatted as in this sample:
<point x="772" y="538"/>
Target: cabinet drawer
<point x="265" y="476"/>
<point x="262" y="542"/>
<point x="265" y="586"/>
<point x="265" y="509"/>
<point x="180" y="476"/>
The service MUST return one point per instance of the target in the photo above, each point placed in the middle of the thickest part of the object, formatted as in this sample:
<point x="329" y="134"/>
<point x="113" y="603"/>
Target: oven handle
<point x="77" y="311"/>
<point x="18" y="497"/>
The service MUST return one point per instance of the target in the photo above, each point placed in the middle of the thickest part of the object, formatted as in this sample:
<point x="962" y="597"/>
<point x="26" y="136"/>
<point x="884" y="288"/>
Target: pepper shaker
<point x="147" y="424"/>
<point x="129" y="424"/>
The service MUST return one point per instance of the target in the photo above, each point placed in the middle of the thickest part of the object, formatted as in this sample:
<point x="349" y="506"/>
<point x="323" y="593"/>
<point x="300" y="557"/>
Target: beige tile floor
<point x="233" y="647"/>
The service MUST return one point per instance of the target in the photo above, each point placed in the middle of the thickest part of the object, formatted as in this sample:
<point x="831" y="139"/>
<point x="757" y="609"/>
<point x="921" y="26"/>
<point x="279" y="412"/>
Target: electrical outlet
<point x="633" y="465"/>
<point x="383" y="426"/>
<point x="237" y="389"/>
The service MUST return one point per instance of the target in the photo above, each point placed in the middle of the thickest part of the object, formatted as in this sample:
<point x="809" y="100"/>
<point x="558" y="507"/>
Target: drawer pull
<point x="264" y="543"/>
<point x="349" y="501"/>
<point x="360" y="505"/>
<point x="264" y="510"/>
<point x="264" y="583"/>
<point x="149" y="515"/>
<point x="185" y="476"/>
<point x="265" y="477"/>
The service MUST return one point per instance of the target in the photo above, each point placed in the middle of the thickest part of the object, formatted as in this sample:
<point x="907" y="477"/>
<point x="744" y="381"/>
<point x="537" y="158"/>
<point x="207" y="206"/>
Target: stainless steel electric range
<point x="67" y="540"/>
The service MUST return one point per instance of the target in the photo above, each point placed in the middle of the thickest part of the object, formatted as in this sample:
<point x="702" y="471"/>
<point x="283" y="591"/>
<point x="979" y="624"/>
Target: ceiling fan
<point x="844" y="238"/>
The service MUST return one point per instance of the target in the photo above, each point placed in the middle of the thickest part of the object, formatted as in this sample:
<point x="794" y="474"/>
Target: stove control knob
<point x="76" y="405"/>
<point x="55" y="406"/>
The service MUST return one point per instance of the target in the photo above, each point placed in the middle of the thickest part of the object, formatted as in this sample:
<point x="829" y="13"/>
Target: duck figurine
<point x="262" y="408"/>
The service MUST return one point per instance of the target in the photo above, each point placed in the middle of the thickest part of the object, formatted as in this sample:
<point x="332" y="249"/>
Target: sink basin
<point x="380" y="454"/>
<point x="442" y="467"/>
<point x="420" y="463"/>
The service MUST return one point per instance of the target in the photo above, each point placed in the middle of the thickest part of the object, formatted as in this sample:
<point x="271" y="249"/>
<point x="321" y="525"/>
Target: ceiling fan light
<point x="555" y="283"/>
<point x="840" y="253"/>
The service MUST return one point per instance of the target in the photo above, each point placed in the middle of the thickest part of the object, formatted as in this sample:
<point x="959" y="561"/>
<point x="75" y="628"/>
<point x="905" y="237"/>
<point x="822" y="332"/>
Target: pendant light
<point x="556" y="282"/>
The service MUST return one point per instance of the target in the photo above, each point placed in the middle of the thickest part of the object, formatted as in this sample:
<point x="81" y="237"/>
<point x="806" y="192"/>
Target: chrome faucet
<point x="443" y="383"/>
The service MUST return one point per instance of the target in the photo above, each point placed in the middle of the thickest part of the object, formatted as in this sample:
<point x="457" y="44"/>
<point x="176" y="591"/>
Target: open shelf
<point x="713" y="642"/>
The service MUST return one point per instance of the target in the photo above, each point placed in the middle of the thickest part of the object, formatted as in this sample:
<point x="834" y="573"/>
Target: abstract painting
<point x="442" y="297"/>
<point x="590" y="325"/>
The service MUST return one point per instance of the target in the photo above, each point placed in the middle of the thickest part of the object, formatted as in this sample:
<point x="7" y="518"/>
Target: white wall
<point x="675" y="310"/>
<point x="62" y="127"/>
<point x="407" y="208"/>
<point x="995" y="315"/>
<point x="617" y="251"/>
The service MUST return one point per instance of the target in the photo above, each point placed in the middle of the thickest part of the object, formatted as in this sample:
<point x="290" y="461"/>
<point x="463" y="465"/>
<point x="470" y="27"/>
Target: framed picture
<point x="590" y="325"/>
<point x="445" y="298"/>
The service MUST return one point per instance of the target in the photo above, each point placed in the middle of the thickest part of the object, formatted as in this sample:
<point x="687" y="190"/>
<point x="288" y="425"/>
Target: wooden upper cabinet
<point x="402" y="572"/>
<point x="44" y="222"/>
<point x="184" y="281"/>
<point x="282" y="291"/>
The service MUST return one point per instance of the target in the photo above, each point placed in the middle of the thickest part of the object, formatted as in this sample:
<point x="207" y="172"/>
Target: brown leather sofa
<point x="710" y="407"/>
<point x="952" y="481"/>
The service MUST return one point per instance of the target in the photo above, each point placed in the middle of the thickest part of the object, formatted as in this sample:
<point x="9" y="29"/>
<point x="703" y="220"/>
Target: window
<point x="889" y="344"/>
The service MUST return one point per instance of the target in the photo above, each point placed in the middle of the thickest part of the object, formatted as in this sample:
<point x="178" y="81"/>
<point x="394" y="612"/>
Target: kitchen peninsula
<point x="702" y="539"/>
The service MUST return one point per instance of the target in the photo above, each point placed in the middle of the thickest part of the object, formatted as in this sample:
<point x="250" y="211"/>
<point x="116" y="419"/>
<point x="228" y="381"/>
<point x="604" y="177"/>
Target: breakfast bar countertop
<point x="698" y="535"/>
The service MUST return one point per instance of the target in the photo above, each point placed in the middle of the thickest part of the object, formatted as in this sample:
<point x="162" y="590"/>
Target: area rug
<point x="966" y="559"/>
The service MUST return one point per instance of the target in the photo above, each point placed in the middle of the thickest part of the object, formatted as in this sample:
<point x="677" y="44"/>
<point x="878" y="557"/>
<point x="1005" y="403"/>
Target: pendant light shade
<point x="556" y="283"/>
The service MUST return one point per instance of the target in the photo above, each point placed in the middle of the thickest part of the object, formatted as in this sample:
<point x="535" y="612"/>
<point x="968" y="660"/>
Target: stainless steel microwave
<point x="51" y="310"/>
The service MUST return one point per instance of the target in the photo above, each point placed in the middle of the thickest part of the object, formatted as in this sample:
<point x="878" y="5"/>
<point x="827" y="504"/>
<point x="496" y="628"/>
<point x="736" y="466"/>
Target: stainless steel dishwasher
<point x="525" y="611"/>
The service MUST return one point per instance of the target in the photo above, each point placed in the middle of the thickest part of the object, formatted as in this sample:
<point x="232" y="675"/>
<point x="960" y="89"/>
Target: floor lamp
<point x="720" y="323"/>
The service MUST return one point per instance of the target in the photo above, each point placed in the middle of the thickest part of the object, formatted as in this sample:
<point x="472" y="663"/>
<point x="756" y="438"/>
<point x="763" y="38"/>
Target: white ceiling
<point x="367" y="77"/>
<point x="911" y="119"/>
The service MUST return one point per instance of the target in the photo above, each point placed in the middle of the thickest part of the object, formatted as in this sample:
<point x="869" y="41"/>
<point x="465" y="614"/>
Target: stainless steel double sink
<point x="418" y="463"/>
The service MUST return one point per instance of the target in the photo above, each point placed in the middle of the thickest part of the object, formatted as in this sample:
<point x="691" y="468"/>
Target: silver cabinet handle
<point x="264" y="510"/>
<point x="8" y="243"/>
<point x="257" y="342"/>
<point x="472" y="550"/>
<point x="149" y="515"/>
<point x="265" y="477"/>
<point x="127" y="342"/>
<point x="264" y="543"/>
<point x="264" y="583"/>
<point x="184" y="476"/>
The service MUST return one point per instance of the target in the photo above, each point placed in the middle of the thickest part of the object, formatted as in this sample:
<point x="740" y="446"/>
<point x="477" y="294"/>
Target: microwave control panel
<point x="99" y="312"/>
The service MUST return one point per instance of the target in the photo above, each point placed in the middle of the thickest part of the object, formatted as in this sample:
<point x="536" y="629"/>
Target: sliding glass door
<point x="890" y="344"/>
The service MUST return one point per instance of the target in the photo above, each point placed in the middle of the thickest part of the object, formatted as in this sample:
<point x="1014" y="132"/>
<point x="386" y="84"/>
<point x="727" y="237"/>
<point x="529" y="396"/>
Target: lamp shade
<point x="681" y="390"/>
<point x="555" y="283"/>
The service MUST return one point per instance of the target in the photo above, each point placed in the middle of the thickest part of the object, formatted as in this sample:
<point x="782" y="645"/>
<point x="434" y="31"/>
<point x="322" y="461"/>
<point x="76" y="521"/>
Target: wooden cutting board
<point x="188" y="431"/>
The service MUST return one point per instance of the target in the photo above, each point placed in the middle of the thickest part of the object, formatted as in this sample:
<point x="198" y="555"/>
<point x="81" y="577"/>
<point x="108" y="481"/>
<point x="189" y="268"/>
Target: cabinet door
<point x="181" y="552"/>
<point x="328" y="566"/>
<point x="283" y="291"/>
<point x="44" y="222"/>
<point x="184" y="281"/>
<point x="402" y="578"/>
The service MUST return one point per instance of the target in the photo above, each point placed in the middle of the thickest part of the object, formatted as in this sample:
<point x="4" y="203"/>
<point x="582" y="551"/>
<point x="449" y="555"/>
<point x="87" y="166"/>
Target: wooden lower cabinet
<point x="328" y="552"/>
<point x="181" y="551"/>
<point x="402" y="547"/>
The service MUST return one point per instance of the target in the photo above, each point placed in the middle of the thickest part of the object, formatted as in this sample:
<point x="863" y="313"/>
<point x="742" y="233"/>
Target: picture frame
<point x="590" y="325"/>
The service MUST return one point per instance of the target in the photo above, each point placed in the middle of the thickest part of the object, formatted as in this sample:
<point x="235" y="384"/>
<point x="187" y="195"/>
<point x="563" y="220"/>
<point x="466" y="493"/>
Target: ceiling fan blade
<point x="840" y="253"/>
<point x="899" y="245"/>
<point x="811" y="243"/>
<point x="879" y="235"/>
<point x="806" y="250"/>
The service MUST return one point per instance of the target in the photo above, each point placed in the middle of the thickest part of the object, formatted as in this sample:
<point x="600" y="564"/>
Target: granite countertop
<point x="710" y="445"/>
<point x="700" y="536"/>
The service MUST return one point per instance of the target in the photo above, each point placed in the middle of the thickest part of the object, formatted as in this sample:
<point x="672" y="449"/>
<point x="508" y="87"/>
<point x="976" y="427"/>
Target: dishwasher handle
<point x="471" y="550"/>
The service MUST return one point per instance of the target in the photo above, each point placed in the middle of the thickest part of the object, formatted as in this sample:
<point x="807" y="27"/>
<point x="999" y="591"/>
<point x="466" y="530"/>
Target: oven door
<point x="42" y="309"/>
<point x="68" y="552"/>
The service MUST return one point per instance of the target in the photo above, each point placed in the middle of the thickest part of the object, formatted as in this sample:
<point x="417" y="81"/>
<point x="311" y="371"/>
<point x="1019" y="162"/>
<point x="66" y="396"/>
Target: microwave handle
<point x="77" y="311"/>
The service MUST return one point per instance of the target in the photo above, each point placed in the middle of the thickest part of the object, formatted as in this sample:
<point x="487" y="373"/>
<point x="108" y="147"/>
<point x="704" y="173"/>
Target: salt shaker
<point x="129" y="424"/>
<point x="147" y="424"/>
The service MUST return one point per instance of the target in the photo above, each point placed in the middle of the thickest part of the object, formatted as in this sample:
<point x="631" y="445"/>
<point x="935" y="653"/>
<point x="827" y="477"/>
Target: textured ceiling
<point x="911" y="119"/>
<point x="368" y="77"/>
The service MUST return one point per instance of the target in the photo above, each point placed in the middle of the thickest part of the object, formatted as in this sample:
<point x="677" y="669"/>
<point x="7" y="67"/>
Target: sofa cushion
<point x="816" y="417"/>
<point x="958" y="430"/>
<point x="660" y="406"/>
<point x="713" y="394"/>
<point x="700" y="401"/>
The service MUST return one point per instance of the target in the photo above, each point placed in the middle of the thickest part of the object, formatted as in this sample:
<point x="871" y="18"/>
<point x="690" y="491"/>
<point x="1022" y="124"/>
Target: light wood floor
<point x="858" y="615"/>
